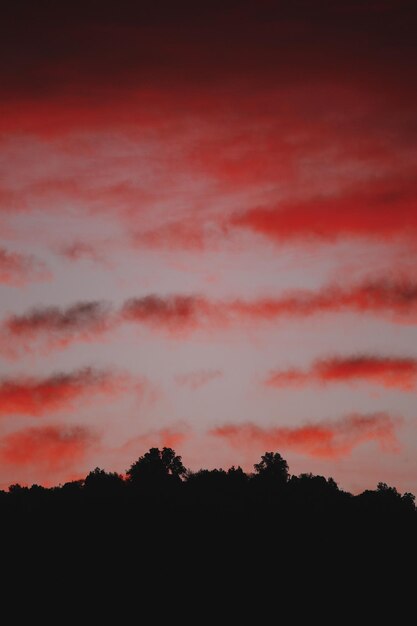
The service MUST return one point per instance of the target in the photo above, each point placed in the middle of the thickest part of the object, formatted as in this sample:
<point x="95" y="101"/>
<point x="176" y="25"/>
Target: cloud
<point x="46" y="328"/>
<point x="19" y="269"/>
<point x="243" y="126"/>
<point x="175" y="312"/>
<point x="375" y="209"/>
<point x="79" y="250"/>
<point x="43" y="396"/>
<point x="396" y="299"/>
<point x="390" y="372"/>
<point x="197" y="379"/>
<point x="326" y="439"/>
<point x="48" y="448"/>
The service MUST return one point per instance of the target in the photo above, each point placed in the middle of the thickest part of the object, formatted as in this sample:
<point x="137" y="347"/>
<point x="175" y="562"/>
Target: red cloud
<point x="398" y="299"/>
<point x="328" y="440"/>
<point x="42" y="396"/>
<point x="391" y="372"/>
<point x="20" y="269"/>
<point x="377" y="209"/>
<point x="51" y="448"/>
<point x="195" y="380"/>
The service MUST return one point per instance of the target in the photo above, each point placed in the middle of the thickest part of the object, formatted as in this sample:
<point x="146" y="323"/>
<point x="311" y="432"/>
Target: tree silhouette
<point x="236" y="475"/>
<point x="157" y="467"/>
<point x="101" y="483"/>
<point x="272" y="468"/>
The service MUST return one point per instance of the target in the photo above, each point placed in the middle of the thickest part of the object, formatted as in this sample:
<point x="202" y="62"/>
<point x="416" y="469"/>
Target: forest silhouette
<point x="159" y="492"/>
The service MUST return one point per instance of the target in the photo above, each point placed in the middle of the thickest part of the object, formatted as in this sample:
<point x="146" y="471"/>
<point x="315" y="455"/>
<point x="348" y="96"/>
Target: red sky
<point x="208" y="236"/>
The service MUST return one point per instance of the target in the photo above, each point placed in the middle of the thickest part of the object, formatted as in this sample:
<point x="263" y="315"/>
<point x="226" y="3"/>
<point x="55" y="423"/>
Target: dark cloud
<point x="173" y="311"/>
<point x="47" y="328"/>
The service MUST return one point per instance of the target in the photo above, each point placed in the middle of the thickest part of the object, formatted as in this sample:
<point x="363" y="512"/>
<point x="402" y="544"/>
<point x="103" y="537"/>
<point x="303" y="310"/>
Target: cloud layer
<point x="218" y="172"/>
<point x="50" y="328"/>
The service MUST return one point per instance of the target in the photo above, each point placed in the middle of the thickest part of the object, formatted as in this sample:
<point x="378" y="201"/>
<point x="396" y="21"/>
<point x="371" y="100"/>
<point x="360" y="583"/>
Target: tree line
<point x="158" y="484"/>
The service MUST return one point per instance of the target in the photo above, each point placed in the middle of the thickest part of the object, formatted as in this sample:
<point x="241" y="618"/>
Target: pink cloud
<point x="327" y="440"/>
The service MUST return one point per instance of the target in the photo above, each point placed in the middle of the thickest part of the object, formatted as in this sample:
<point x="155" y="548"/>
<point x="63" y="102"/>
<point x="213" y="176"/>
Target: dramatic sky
<point x="208" y="236"/>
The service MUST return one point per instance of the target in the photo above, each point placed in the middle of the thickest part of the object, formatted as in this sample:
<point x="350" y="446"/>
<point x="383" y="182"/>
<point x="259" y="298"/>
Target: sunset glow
<point x="208" y="236"/>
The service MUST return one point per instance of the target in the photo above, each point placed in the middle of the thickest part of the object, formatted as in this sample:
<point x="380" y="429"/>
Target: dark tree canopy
<point x="157" y="466"/>
<point x="159" y="496"/>
<point x="272" y="467"/>
<point x="99" y="481"/>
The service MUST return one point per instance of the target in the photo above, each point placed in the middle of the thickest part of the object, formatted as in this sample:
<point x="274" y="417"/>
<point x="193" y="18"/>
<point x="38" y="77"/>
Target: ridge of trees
<point x="159" y="480"/>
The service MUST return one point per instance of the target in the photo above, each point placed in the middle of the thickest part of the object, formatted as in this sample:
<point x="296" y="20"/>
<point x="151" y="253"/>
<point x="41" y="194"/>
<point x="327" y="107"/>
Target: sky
<point x="208" y="236"/>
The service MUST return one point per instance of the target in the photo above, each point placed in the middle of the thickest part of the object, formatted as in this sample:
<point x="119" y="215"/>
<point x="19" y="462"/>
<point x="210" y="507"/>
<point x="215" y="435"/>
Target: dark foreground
<point x="158" y="492"/>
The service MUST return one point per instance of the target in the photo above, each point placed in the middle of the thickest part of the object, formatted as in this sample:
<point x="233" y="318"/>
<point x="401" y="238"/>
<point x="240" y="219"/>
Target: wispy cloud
<point x="42" y="396"/>
<point x="375" y="209"/>
<point x="46" y="328"/>
<point x="390" y="372"/>
<point x="80" y="250"/>
<point x="175" y="312"/>
<point x="47" y="448"/>
<point x="19" y="269"/>
<point x="326" y="439"/>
